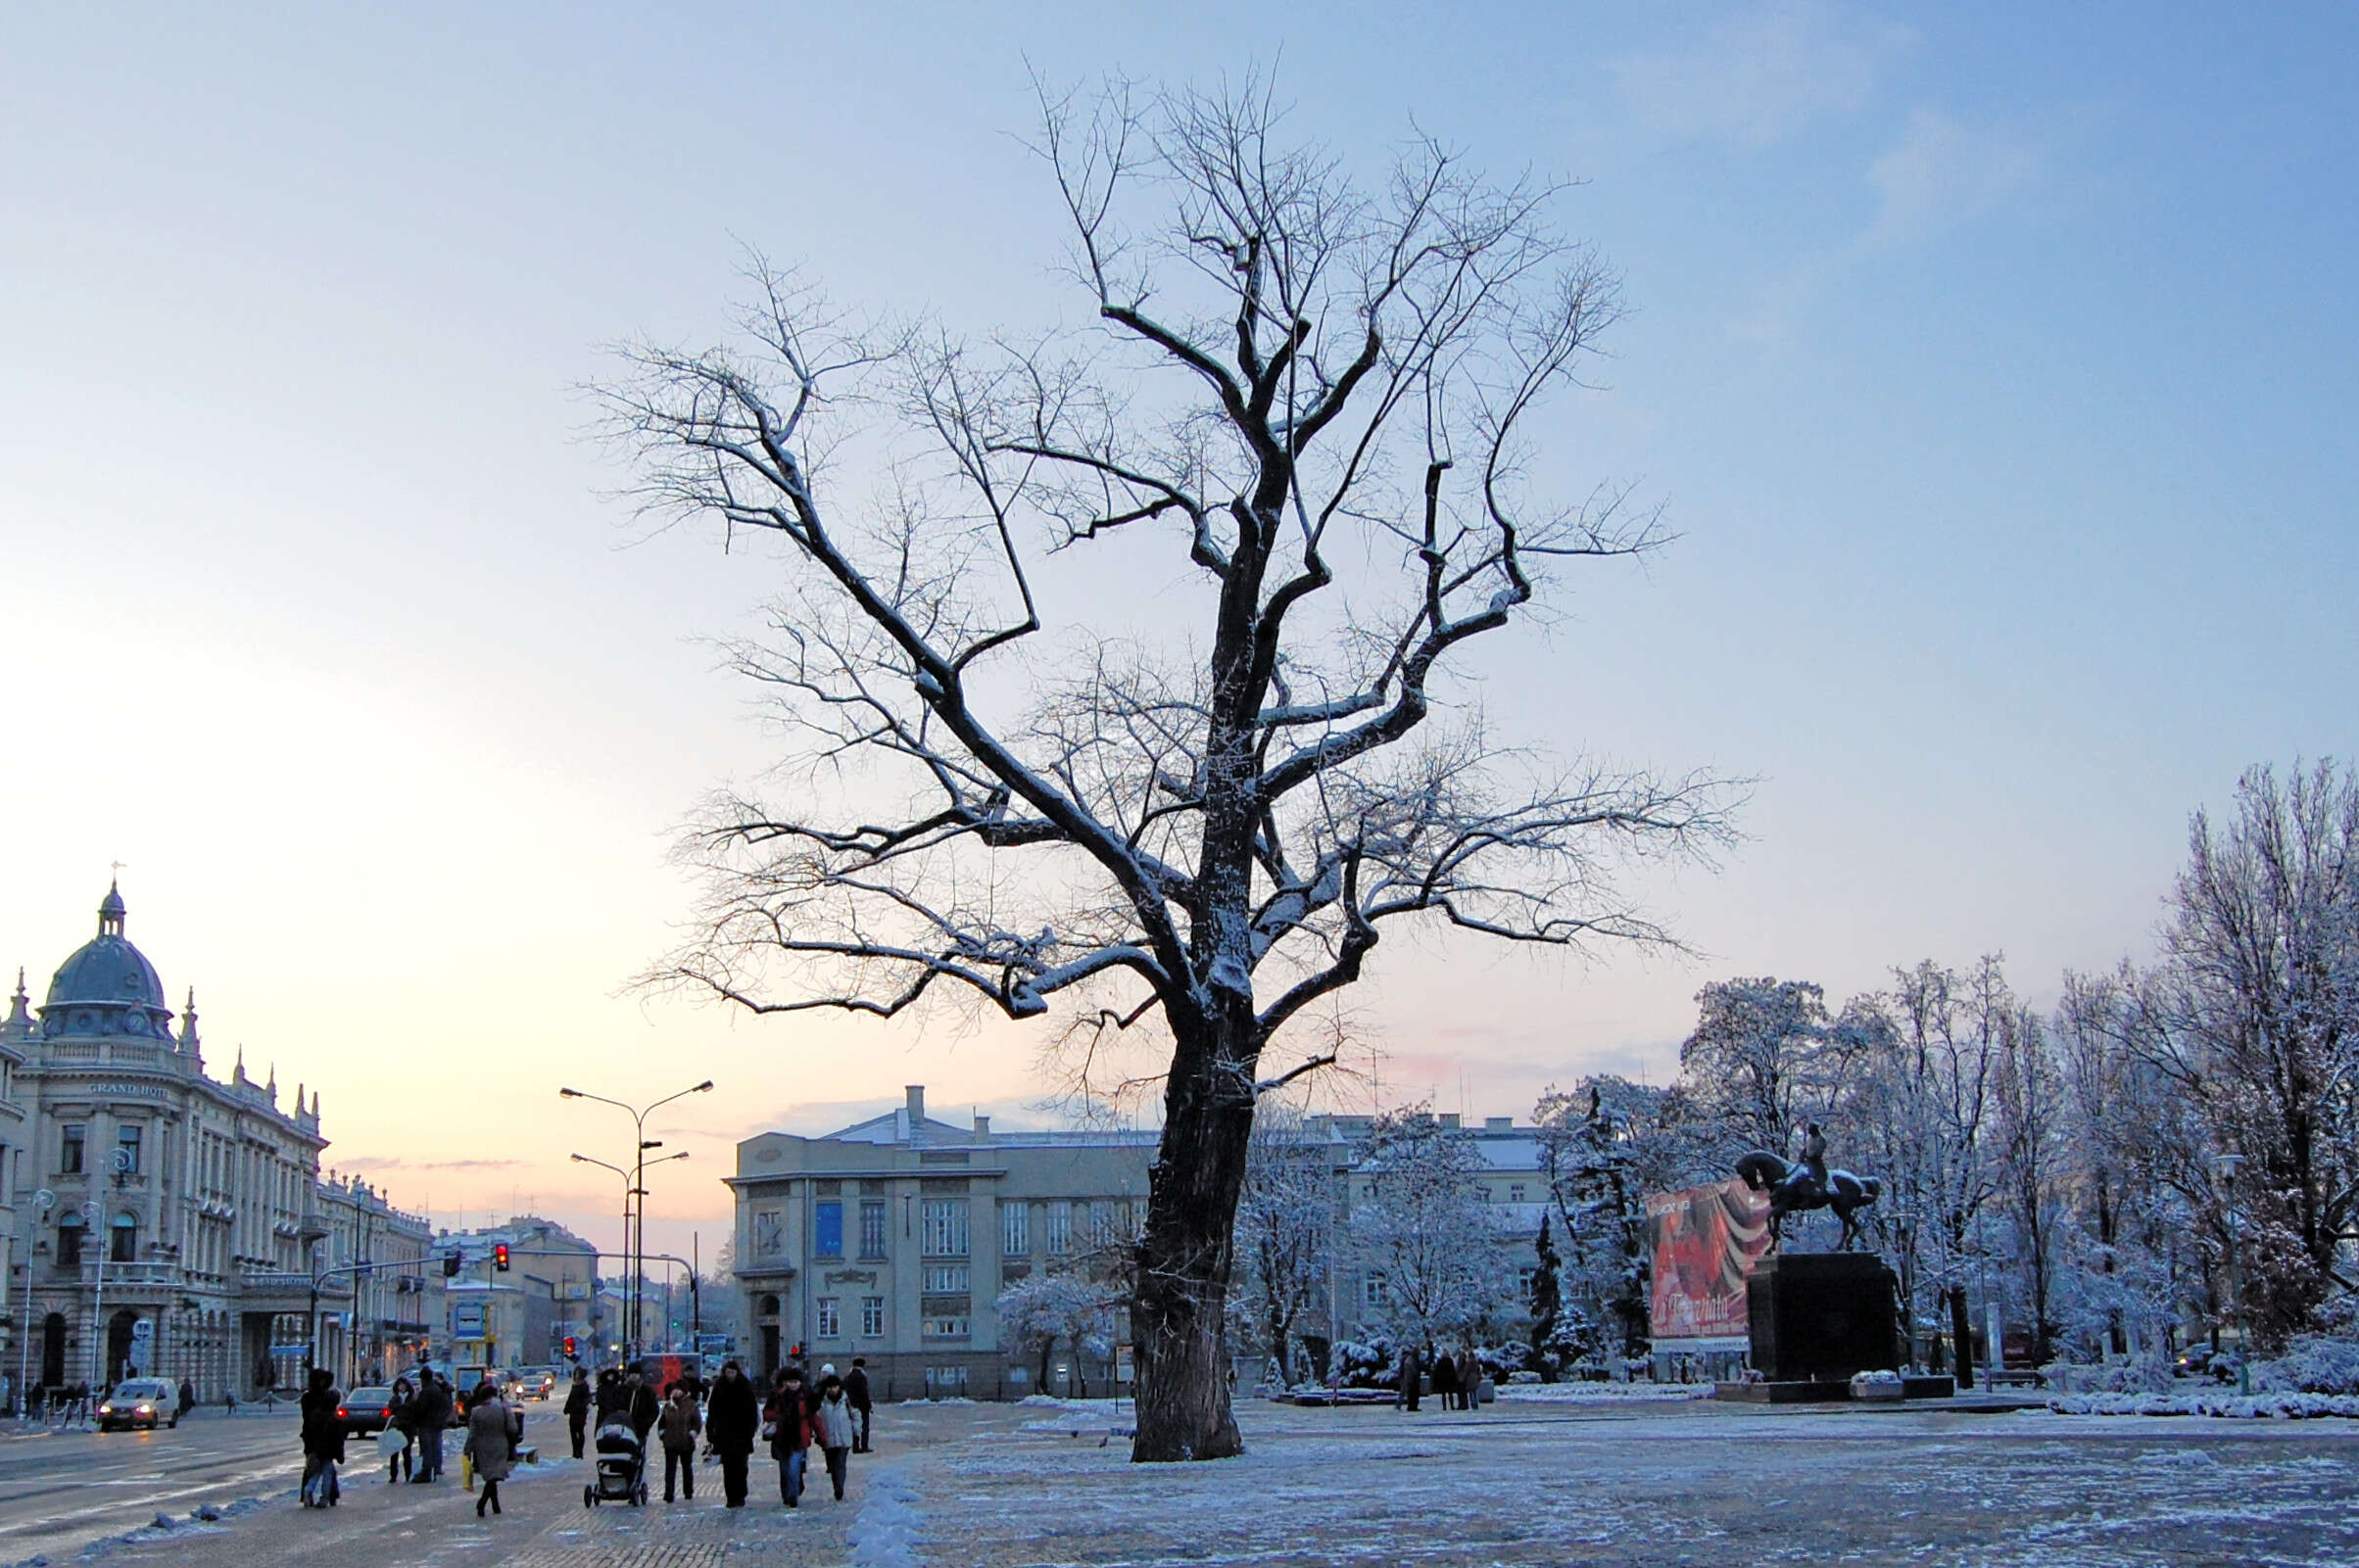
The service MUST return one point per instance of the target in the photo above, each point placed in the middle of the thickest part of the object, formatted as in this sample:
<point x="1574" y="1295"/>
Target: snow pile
<point x="1599" y="1392"/>
<point x="880" y="1538"/>
<point x="2278" y="1407"/>
<point x="2149" y="1375"/>
<point x="2315" y="1363"/>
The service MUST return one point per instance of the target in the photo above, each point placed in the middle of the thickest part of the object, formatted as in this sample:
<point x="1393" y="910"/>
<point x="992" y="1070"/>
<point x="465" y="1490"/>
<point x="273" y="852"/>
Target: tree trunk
<point x="1962" y="1328"/>
<point x="1177" y="1321"/>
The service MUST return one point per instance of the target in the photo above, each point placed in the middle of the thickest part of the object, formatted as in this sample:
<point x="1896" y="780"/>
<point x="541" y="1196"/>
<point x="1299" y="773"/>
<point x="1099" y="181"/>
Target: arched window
<point x="769" y="1306"/>
<point x="69" y="1241"/>
<point x="124" y="1243"/>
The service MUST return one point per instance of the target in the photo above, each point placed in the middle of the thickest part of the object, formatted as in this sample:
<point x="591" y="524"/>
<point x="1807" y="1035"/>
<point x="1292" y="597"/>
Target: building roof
<point x="107" y="970"/>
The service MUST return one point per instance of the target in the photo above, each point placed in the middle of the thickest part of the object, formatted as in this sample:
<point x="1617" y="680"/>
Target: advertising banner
<point x="1704" y="1241"/>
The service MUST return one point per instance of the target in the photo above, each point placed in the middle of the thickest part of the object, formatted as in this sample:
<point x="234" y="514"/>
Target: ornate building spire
<point x="190" y="1046"/>
<point x="110" y="911"/>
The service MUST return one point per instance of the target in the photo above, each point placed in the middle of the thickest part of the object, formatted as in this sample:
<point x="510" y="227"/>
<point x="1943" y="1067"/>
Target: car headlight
<point x="106" y="1410"/>
<point x="147" y="1409"/>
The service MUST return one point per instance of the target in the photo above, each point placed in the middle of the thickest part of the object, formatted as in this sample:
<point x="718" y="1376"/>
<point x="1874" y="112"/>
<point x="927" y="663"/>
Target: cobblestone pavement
<point x="377" y="1524"/>
<point x="1702" y="1484"/>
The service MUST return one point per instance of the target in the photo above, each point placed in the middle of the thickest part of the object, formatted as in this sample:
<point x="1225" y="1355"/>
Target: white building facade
<point x="164" y="1221"/>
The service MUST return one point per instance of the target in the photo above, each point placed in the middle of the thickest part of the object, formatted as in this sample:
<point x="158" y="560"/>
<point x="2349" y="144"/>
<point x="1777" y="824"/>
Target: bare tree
<point x="1311" y="398"/>
<point x="1423" y="1232"/>
<point x="1285" y="1231"/>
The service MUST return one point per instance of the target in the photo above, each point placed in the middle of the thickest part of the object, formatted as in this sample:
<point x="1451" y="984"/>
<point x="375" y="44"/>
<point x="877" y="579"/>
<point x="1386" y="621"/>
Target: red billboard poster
<point x="1704" y="1241"/>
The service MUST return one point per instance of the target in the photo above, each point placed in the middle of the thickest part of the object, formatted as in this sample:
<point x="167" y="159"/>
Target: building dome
<point x="105" y="979"/>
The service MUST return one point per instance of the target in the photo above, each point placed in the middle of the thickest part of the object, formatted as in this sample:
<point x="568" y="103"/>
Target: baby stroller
<point x="622" y="1469"/>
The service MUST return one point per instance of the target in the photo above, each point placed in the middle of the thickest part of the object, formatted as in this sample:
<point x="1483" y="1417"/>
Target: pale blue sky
<point x="1996" y="364"/>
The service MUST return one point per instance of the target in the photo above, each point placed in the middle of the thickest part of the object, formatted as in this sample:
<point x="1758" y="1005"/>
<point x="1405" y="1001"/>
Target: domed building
<point x="173" y="1223"/>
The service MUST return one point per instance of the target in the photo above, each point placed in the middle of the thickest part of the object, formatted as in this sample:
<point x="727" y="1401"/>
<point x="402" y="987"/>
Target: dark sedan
<point x="365" y="1411"/>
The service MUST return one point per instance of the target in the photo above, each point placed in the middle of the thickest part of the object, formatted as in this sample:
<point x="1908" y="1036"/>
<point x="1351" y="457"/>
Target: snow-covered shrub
<point x="1876" y="1384"/>
<point x="1523" y="1377"/>
<point x="1366" y="1363"/>
<point x="2314" y="1363"/>
<point x="2150" y="1374"/>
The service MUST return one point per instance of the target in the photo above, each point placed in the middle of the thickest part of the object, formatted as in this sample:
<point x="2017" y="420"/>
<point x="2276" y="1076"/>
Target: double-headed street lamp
<point x="635" y="1244"/>
<point x="629" y="1192"/>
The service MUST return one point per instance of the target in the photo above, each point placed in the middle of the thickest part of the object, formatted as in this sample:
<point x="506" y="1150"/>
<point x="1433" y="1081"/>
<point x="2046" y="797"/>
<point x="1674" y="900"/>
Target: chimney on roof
<point x="1449" y="1121"/>
<point x="917" y="1107"/>
<point x="983" y="1128"/>
<point x="1498" y="1123"/>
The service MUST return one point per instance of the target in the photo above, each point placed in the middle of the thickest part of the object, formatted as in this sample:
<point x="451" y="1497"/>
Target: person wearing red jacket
<point x="787" y="1418"/>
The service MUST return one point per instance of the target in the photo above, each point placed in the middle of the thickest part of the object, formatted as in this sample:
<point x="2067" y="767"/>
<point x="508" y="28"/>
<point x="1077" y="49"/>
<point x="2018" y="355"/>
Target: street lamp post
<point x="2227" y="1165"/>
<point x="639" y="1155"/>
<point x="43" y="1201"/>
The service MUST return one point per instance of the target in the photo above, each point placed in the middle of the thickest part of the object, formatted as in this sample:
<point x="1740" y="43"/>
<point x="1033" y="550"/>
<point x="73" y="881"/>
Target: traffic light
<point x="499" y="1257"/>
<point x="451" y="1265"/>
<point x="568" y="1345"/>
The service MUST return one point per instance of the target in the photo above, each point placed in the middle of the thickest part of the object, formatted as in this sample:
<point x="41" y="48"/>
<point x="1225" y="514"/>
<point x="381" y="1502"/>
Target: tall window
<point x="944" y="1228"/>
<point x="122" y="1245"/>
<point x="1015" y="1229"/>
<point x="69" y="1152"/>
<point x="768" y="1240"/>
<point x="1060" y="1227"/>
<point x="830" y="1324"/>
<point x="70" y="1242"/>
<point x="828" y="1240"/>
<point x="872" y="1227"/>
<point x="1379" y="1290"/>
<point x="127" y="1144"/>
<point x="872" y="1318"/>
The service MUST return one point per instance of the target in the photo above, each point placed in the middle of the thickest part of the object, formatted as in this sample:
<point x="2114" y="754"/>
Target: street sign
<point x="1122" y="1363"/>
<point x="712" y="1344"/>
<point x="143" y="1330"/>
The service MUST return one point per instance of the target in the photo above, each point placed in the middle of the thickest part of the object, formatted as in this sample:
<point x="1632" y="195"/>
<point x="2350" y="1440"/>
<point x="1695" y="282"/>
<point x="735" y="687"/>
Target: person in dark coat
<point x="1412" y="1377"/>
<point x="611" y="1396"/>
<point x="323" y="1438"/>
<point x="729" y="1424"/>
<point x="677" y="1428"/>
<point x="1445" y="1382"/>
<point x="1469" y="1380"/>
<point x="788" y="1420"/>
<point x="430" y="1414"/>
<point x="577" y="1408"/>
<point x="644" y="1407"/>
<point x="855" y="1393"/>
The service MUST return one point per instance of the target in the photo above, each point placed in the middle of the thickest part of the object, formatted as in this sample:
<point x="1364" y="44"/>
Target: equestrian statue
<point x="1808" y="1184"/>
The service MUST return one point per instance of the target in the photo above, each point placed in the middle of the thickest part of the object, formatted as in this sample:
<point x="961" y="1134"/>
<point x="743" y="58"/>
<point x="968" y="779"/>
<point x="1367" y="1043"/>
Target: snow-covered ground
<point x="1601" y="1392"/>
<point x="1629" y="1483"/>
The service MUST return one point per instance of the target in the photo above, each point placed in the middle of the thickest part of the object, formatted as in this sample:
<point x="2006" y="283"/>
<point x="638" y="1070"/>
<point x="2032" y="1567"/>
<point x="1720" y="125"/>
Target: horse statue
<point x="1794" y="1188"/>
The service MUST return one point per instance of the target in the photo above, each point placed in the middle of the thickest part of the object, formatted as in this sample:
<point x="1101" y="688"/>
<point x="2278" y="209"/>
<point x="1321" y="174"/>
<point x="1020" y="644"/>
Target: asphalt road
<point x="59" y="1491"/>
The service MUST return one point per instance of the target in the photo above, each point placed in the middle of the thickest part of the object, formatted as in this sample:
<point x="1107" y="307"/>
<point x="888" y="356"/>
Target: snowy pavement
<point x="1638" y="1485"/>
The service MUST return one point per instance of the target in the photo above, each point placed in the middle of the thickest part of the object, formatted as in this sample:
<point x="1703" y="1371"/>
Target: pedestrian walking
<point x="431" y="1413"/>
<point x="187" y="1401"/>
<point x="729" y="1424"/>
<point x="577" y="1408"/>
<point x="322" y="1439"/>
<point x="786" y="1423"/>
<point x="398" y="1440"/>
<point x="1412" y="1377"/>
<point x="855" y="1393"/>
<point x="677" y="1428"/>
<point x="644" y="1406"/>
<point x="832" y="1428"/>
<point x="491" y="1431"/>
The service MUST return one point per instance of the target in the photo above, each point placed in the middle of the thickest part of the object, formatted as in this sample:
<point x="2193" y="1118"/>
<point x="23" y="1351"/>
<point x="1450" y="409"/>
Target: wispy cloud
<point x="1945" y="171"/>
<point x="1758" y="78"/>
<point x="366" y="1164"/>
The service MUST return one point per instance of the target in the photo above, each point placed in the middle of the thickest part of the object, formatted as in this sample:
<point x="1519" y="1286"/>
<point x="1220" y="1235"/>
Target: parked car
<point x="147" y="1402"/>
<point x="366" y="1410"/>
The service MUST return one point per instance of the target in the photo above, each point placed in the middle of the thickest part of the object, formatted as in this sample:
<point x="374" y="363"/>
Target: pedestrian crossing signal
<point x="451" y="1265"/>
<point x="499" y="1257"/>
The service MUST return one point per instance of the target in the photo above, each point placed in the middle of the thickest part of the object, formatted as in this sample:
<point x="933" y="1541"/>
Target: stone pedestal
<point x="1818" y="1318"/>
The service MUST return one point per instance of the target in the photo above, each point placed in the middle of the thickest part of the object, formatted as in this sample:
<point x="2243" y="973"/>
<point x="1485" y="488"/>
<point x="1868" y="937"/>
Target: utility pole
<point x="2227" y="1165"/>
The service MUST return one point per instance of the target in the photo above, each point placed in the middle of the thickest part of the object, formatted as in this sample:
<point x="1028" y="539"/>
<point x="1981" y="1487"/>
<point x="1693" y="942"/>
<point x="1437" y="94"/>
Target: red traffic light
<point x="569" y="1344"/>
<point x="499" y="1257"/>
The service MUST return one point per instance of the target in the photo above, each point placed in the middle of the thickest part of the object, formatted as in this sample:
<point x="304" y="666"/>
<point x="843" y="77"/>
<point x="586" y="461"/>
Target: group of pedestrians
<point x="419" y="1413"/>
<point x="1456" y="1380"/>
<point x="730" y="1416"/>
